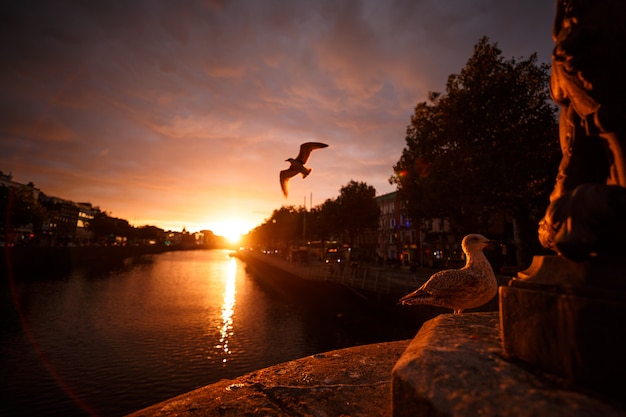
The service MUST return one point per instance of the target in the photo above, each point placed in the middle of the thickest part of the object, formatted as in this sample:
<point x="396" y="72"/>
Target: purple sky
<point x="181" y="113"/>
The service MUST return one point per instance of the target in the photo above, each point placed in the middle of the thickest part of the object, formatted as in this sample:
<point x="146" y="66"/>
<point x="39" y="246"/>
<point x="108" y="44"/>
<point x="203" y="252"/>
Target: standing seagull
<point x="459" y="289"/>
<point x="297" y="164"/>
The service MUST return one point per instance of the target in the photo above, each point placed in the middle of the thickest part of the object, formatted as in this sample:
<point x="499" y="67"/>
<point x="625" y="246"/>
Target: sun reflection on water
<point x="226" y="331"/>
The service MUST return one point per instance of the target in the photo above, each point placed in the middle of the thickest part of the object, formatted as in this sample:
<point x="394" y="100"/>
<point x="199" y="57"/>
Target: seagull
<point x="459" y="289"/>
<point x="297" y="164"/>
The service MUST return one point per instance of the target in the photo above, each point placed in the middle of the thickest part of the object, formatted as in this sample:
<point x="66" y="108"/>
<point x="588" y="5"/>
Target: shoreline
<point x="25" y="261"/>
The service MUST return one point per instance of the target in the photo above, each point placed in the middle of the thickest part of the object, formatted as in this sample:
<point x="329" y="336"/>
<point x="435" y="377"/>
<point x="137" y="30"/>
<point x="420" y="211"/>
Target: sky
<point x="180" y="114"/>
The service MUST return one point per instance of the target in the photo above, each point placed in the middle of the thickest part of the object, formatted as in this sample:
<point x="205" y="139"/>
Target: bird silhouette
<point x="459" y="289"/>
<point x="297" y="164"/>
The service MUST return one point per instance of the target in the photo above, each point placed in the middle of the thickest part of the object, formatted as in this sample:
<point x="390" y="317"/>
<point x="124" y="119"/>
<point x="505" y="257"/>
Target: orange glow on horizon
<point x="231" y="226"/>
<point x="231" y="229"/>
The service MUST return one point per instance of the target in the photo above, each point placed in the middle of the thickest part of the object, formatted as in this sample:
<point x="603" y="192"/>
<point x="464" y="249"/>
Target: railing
<point x="376" y="279"/>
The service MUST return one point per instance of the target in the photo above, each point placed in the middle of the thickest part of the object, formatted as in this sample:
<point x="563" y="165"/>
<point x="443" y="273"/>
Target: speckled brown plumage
<point x="460" y="289"/>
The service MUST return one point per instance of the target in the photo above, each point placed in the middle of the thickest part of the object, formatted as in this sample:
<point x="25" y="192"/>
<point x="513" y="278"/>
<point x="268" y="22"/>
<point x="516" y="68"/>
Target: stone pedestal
<point x="568" y="318"/>
<point x="454" y="367"/>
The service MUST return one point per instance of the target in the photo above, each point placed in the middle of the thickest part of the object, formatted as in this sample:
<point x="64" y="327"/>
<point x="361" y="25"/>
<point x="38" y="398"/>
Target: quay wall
<point x="25" y="261"/>
<point x="366" y="280"/>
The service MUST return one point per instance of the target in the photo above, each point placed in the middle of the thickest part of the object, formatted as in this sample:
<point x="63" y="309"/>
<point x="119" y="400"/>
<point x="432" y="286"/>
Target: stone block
<point x="454" y="367"/>
<point x="562" y="317"/>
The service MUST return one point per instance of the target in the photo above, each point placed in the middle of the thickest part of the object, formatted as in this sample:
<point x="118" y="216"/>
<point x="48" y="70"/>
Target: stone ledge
<point x="348" y="382"/>
<point x="454" y="367"/>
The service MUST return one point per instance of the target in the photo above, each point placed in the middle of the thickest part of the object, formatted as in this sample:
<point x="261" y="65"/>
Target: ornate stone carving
<point x="588" y="205"/>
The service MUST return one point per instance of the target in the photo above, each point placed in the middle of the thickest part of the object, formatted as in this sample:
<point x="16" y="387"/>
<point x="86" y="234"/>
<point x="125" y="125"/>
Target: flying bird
<point x="459" y="289"/>
<point x="297" y="164"/>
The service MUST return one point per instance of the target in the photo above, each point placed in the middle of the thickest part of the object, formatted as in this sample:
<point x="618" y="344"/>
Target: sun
<point x="232" y="237"/>
<point x="231" y="229"/>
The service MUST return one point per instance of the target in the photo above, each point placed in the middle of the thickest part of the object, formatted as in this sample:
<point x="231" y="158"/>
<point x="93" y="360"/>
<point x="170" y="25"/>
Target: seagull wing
<point x="440" y="284"/>
<point x="449" y="283"/>
<point x="285" y="175"/>
<point x="307" y="148"/>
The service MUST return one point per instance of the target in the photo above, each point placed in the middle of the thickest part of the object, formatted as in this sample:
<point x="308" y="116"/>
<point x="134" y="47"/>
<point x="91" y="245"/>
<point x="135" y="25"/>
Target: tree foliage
<point x="149" y="233"/>
<point x="358" y="208"/>
<point x="105" y="227"/>
<point x="351" y="213"/>
<point x="491" y="141"/>
<point x="327" y="220"/>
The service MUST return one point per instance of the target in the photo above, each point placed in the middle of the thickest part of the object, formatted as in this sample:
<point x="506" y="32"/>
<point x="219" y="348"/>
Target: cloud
<point x="157" y="110"/>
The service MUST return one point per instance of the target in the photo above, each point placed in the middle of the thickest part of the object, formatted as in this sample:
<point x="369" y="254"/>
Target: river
<point x="109" y="341"/>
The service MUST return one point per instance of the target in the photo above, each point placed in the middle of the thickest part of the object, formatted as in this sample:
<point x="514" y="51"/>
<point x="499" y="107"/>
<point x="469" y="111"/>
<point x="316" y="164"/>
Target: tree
<point x="107" y="229"/>
<point x="281" y="230"/>
<point x="148" y="233"/>
<point x="329" y="223"/>
<point x="358" y="210"/>
<point x="353" y="212"/>
<point x="488" y="144"/>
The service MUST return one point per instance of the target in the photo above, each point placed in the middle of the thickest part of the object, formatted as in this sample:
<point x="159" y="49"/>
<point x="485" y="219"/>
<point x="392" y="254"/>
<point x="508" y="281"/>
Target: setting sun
<point x="231" y="229"/>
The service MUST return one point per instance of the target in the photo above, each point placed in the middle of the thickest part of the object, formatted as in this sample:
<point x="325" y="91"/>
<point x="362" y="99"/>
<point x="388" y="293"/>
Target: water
<point x="109" y="342"/>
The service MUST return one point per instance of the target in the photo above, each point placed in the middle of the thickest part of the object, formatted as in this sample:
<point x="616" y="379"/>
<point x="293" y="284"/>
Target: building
<point x="432" y="243"/>
<point x="59" y="228"/>
<point x="399" y="240"/>
<point x="387" y="233"/>
<point x="86" y="213"/>
<point x="6" y="180"/>
<point x="17" y="230"/>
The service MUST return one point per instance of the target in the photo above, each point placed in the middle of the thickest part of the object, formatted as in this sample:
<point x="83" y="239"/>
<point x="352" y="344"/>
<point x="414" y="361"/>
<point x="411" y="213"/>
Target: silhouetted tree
<point x="354" y="211"/>
<point x="330" y="219"/>
<point x="107" y="229"/>
<point x="150" y="233"/>
<point x="358" y="210"/>
<point x="284" y="227"/>
<point x="490" y="143"/>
